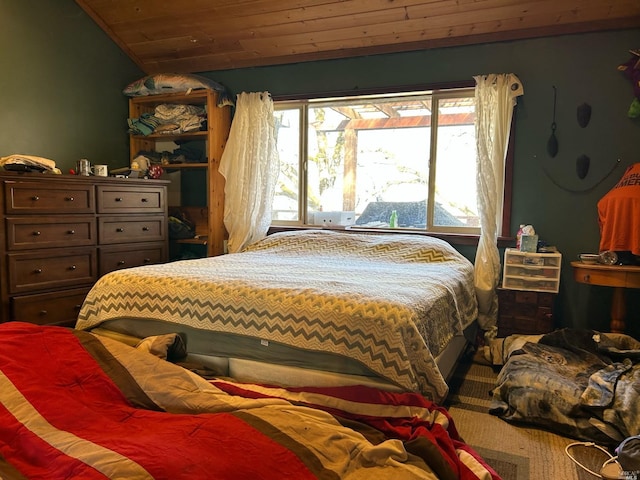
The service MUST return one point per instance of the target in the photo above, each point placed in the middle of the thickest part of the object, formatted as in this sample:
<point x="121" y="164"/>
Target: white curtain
<point x="496" y="97"/>
<point x="250" y="167"/>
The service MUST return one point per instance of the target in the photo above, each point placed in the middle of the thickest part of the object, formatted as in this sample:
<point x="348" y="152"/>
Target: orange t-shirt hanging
<point x="619" y="214"/>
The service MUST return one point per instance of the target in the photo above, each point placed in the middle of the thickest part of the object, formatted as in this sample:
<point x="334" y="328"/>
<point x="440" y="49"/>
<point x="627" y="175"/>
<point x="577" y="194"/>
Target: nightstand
<point x="524" y="312"/>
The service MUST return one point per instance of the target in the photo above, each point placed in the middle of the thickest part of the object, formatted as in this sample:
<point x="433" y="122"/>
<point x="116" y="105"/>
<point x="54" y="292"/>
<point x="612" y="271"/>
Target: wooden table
<point x="617" y="276"/>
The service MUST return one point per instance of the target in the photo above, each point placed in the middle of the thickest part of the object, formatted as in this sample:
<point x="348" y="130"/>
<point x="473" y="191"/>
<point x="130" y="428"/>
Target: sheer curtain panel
<point x="250" y="167"/>
<point x="496" y="98"/>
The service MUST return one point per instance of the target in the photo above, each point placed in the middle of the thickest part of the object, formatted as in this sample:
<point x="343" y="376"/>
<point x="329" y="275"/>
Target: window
<point x="362" y="160"/>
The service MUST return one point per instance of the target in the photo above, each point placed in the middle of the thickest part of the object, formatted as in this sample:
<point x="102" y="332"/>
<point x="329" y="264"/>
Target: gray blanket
<point x="579" y="383"/>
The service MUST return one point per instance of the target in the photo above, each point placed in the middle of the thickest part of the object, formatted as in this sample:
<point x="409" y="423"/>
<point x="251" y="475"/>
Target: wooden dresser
<point x="62" y="232"/>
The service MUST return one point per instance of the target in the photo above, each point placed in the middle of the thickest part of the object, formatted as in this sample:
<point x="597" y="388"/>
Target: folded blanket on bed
<point x="77" y="405"/>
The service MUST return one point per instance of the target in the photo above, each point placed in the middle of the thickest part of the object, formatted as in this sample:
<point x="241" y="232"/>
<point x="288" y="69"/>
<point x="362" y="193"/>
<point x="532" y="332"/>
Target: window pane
<point x="455" y="171"/>
<point x="367" y="159"/>
<point x="393" y="173"/>
<point x="286" y="200"/>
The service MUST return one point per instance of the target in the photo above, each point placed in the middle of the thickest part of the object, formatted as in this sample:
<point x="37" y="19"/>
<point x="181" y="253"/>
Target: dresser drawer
<point x="125" y="256"/>
<point x="125" y="229"/>
<point x="524" y="312"/>
<point x="523" y="309"/>
<point x="53" y="268"/>
<point x="114" y="199"/>
<point x="510" y="325"/>
<point x="54" y="308"/>
<point x="58" y="198"/>
<point x="50" y="232"/>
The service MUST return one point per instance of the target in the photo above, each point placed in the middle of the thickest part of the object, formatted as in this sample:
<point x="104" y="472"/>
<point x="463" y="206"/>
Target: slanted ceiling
<point x="208" y="35"/>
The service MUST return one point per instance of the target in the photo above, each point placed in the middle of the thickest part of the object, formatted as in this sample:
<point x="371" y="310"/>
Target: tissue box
<point x="529" y="243"/>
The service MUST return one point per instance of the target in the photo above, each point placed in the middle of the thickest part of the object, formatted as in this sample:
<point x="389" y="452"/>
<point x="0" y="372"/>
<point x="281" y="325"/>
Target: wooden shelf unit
<point x="215" y="138"/>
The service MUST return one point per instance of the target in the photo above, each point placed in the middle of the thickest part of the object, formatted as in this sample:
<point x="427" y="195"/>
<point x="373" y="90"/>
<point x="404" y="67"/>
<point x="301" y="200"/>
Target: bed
<point x="75" y="405"/>
<point x="315" y="307"/>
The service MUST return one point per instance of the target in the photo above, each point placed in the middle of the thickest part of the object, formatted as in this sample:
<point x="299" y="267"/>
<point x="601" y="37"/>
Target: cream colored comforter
<point x="391" y="302"/>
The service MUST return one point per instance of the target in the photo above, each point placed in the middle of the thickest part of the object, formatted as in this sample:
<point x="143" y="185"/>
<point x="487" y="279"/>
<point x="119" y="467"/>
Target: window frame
<point x="504" y="237"/>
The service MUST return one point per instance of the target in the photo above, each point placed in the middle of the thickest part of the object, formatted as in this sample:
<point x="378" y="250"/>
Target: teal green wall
<point x="61" y="81"/>
<point x="562" y="208"/>
<point x="62" y="77"/>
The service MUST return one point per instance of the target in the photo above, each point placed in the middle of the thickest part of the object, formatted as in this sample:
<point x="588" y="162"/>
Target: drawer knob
<point x="36" y="233"/>
<point x="121" y="262"/>
<point x="43" y="313"/>
<point x="69" y="199"/>
<point x="144" y="200"/>
<point x="147" y="260"/>
<point x="72" y="267"/>
<point x="118" y="199"/>
<point x="37" y="270"/>
<point x="71" y="232"/>
<point x="120" y="229"/>
<point x="35" y="198"/>
<point x="587" y="278"/>
<point x="145" y="229"/>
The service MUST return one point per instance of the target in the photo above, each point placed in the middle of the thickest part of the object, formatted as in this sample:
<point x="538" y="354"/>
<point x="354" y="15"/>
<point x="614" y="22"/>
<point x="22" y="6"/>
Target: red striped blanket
<point x="77" y="406"/>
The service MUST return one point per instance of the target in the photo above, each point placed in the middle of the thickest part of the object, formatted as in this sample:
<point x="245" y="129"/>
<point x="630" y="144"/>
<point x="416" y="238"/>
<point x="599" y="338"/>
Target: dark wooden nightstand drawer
<point x="522" y="309"/>
<point x="50" y="232"/>
<point x="544" y="313"/>
<point x="508" y="325"/>
<point x="126" y="256"/>
<point x="53" y="268"/>
<point x="526" y="297"/>
<point x="114" y="199"/>
<point x="523" y="325"/>
<point x="55" y="308"/>
<point x="546" y="299"/>
<point x="125" y="229"/>
<point x="41" y="197"/>
<point x="524" y="312"/>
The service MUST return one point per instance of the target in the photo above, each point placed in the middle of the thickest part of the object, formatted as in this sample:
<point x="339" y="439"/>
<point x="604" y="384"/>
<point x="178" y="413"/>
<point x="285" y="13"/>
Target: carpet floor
<point x="515" y="452"/>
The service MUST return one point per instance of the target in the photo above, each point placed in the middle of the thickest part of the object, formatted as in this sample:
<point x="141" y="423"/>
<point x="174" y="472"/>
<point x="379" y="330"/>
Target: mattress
<point x="282" y="371"/>
<point x="379" y="305"/>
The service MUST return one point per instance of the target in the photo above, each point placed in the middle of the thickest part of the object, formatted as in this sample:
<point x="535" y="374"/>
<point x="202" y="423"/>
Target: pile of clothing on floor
<point x="582" y="384"/>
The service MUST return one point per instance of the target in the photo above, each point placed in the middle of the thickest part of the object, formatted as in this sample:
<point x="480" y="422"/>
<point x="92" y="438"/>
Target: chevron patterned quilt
<point x="389" y="302"/>
<point x="78" y="406"/>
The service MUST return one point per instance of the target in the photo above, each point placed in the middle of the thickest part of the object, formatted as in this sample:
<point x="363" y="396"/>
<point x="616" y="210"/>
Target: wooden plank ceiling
<point x="208" y="35"/>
